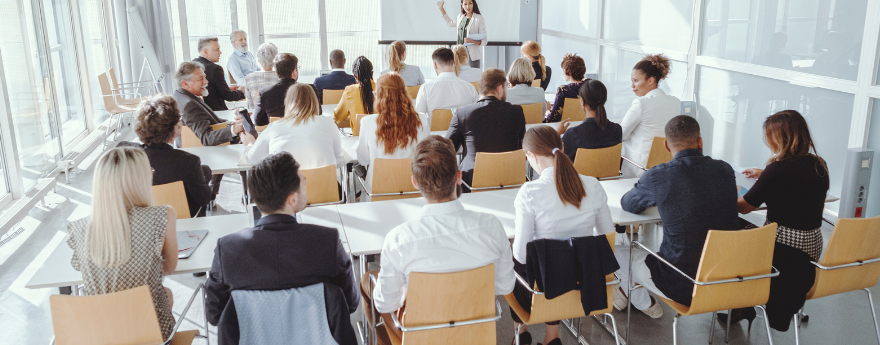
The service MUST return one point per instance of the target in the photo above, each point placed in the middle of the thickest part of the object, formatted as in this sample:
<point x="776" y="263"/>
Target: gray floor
<point x="25" y="317"/>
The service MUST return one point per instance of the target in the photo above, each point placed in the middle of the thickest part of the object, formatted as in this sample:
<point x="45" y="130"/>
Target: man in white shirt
<point x="447" y="91"/>
<point x="242" y="62"/>
<point x="444" y="238"/>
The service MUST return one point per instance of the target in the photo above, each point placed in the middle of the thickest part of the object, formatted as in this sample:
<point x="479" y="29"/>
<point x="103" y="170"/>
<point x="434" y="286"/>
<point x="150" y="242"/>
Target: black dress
<point x="540" y="74"/>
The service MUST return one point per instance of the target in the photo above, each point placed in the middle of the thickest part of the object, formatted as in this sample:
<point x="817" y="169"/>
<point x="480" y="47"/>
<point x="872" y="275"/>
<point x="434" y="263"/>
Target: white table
<point x="221" y="159"/>
<point x="227" y="115"/>
<point x="327" y="109"/>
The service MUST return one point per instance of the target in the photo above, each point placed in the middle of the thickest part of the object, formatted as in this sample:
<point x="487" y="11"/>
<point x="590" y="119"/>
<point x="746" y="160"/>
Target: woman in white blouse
<point x="648" y="115"/>
<point x="559" y="205"/>
<point x="411" y="75"/>
<point x="394" y="132"/>
<point x="462" y="70"/>
<point x="469" y="22"/>
<point x="311" y="138"/>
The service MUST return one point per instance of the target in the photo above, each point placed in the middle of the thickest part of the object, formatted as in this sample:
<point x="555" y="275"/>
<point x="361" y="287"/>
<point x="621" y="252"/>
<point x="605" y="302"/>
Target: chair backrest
<point x="356" y="124"/>
<point x="572" y="110"/>
<point x="440" y="119"/>
<point x="125" y="317"/>
<point x="499" y="169"/>
<point x="256" y="97"/>
<point x="536" y="83"/>
<point x="476" y="86"/>
<point x="106" y="92"/>
<point x="437" y="298"/>
<point x="853" y="239"/>
<point x="413" y="91"/>
<point x="188" y="138"/>
<point x="598" y="163"/>
<point x="392" y="176"/>
<point x="277" y="316"/>
<point x="732" y="254"/>
<point x="659" y="154"/>
<point x="271" y="119"/>
<point x="533" y="112"/>
<point x="321" y="184"/>
<point x="172" y="194"/>
<point x="332" y="96"/>
<point x="113" y="81"/>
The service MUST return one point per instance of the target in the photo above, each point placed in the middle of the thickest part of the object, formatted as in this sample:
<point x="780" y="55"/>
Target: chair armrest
<point x="494" y="187"/>
<point x="366" y="190"/>
<point x="137" y="82"/>
<point x="853" y="264"/>
<point x="772" y="274"/>
<point x="633" y="163"/>
<point x="182" y="318"/>
<point x="611" y="178"/>
<point x="525" y="284"/>
<point x="450" y="324"/>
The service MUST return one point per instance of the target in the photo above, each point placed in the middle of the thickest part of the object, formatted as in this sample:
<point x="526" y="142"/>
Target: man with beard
<point x="218" y="91"/>
<point x="242" y="62"/>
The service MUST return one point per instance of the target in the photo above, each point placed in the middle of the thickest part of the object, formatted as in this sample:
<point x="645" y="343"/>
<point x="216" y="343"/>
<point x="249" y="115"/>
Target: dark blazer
<point x="280" y="254"/>
<point x="218" y="90"/>
<point x="199" y="117"/>
<point x="588" y="135"/>
<point x="336" y="80"/>
<point x="271" y="102"/>
<point x="694" y="194"/>
<point x="490" y="125"/>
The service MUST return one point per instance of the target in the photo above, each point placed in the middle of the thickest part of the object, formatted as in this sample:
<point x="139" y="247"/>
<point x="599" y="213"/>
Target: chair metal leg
<point x="516" y="333"/>
<point x="766" y="324"/>
<point x="727" y="330"/>
<point x="614" y="325"/>
<point x="873" y="314"/>
<point x="797" y="328"/>
<point x="629" y="288"/>
<point x="712" y="326"/>
<point x="675" y="329"/>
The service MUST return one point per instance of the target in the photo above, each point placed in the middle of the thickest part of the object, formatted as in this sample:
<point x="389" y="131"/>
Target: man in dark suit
<point x="337" y="79"/>
<point x="197" y="115"/>
<point x="280" y="253"/>
<point x="271" y="100"/>
<point x="218" y="91"/>
<point x="490" y="125"/>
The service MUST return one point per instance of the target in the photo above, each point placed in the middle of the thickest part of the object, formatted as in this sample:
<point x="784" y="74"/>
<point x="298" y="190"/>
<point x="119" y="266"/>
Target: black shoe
<point x="554" y="342"/>
<point x="525" y="338"/>
<point x="739" y="315"/>
<point x="199" y="274"/>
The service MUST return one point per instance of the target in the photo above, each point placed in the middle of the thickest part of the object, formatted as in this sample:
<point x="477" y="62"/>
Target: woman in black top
<point x="596" y="132"/>
<point x="532" y="50"/>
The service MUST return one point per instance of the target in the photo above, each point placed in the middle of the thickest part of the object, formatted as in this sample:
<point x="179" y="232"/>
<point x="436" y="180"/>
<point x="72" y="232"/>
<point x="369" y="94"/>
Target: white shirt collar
<point x="447" y="75"/>
<point x="238" y="53"/>
<point x="547" y="174"/>
<point x="655" y="92"/>
<point x="442" y="208"/>
<point x="338" y="69"/>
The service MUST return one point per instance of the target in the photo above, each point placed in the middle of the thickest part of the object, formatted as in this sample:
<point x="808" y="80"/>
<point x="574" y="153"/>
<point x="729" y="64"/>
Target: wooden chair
<point x="188" y="138"/>
<point x="658" y="155"/>
<point x="332" y="96"/>
<point x="734" y="272"/>
<point x="322" y="185"/>
<point x="499" y="170"/>
<point x="448" y="308"/>
<point x="174" y="195"/>
<point x="567" y="306"/>
<point x="356" y="124"/>
<point x="599" y="163"/>
<point x="851" y="262"/>
<point x="534" y="113"/>
<point x="572" y="110"/>
<point x="392" y="179"/>
<point x="536" y="83"/>
<point x="476" y="86"/>
<point x="125" y="317"/>
<point x="440" y="119"/>
<point x="413" y="91"/>
<point x="119" y="88"/>
<point x="109" y="98"/>
<point x="231" y="79"/>
<point x="260" y="129"/>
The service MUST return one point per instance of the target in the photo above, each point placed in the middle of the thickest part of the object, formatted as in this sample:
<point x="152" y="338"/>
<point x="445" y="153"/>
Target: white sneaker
<point x="620" y="299"/>
<point x="654" y="311"/>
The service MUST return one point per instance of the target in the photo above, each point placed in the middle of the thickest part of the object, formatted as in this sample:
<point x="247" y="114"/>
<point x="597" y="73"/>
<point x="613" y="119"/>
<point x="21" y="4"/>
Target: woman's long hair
<point x="788" y="136"/>
<point x="395" y="51"/>
<point x="300" y="104"/>
<point x="461" y="57"/>
<point x="398" y="122"/>
<point x="476" y="8"/>
<point x="533" y="49"/>
<point x="542" y="140"/>
<point x="122" y="180"/>
<point x="363" y="70"/>
<point x="594" y="94"/>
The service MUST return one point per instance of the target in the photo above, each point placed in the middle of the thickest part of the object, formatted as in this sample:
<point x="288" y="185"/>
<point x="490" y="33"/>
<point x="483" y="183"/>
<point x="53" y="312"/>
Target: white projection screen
<point x="420" y="20"/>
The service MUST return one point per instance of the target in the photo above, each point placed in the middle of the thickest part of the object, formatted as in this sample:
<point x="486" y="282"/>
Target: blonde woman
<point x="127" y="242"/>
<point x="521" y="90"/>
<point x="462" y="70"/>
<point x="411" y="75"/>
<point x="532" y="50"/>
<point x="311" y="138"/>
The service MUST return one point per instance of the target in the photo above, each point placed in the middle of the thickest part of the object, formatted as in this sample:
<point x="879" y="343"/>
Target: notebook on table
<point x="188" y="240"/>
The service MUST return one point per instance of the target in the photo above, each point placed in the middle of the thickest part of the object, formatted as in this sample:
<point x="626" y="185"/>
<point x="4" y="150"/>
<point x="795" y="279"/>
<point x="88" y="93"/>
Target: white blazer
<point x="476" y="26"/>
<point x="646" y="119"/>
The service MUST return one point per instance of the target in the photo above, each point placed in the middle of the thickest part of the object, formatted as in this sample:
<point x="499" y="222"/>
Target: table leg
<point x="349" y="181"/>
<point x="629" y="288"/>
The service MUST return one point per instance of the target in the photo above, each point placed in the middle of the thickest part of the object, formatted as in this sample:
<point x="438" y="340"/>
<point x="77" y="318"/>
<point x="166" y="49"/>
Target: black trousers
<point x="523" y="296"/>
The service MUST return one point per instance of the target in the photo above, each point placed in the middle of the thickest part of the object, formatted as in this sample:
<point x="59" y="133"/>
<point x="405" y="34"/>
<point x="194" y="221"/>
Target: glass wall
<point x="348" y="30"/>
<point x="214" y="18"/>
<point x="93" y="29"/>
<point x="294" y="27"/>
<point x="874" y="144"/>
<point x="580" y="17"/>
<point x="63" y="65"/>
<point x="553" y="48"/>
<point x="655" y="23"/>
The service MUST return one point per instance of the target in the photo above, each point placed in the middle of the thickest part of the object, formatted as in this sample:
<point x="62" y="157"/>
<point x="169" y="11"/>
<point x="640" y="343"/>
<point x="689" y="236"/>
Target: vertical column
<point x="322" y="34"/>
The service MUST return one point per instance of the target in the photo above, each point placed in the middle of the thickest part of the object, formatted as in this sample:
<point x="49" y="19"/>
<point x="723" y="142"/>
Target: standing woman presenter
<point x="469" y="22"/>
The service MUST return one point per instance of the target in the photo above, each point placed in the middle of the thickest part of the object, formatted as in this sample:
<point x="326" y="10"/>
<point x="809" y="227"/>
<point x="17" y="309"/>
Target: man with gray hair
<point x="195" y="113"/>
<point x="242" y="62"/>
<point x="259" y="80"/>
<point x="219" y="92"/>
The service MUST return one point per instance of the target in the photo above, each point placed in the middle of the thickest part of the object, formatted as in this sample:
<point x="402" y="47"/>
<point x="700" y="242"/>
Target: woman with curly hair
<point x="573" y="68"/>
<point x="649" y="113"/>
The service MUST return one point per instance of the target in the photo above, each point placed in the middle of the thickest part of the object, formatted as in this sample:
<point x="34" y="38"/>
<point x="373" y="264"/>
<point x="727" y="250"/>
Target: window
<point x="214" y="18"/>
<point x="573" y="16"/>
<point x="617" y="68"/>
<point x="554" y="48"/>
<point x="654" y="23"/>
<point x="293" y="26"/>
<point x="62" y="64"/>
<point x="352" y="26"/>
<point x="92" y="13"/>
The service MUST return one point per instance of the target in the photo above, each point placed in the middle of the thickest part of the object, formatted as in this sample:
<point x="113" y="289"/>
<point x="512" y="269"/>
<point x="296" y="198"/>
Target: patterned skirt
<point x="809" y="241"/>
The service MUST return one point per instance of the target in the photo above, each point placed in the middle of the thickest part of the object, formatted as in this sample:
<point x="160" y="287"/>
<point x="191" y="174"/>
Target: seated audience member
<point x="337" y="79"/>
<point x="443" y="238"/>
<point x="694" y="194"/>
<point x="197" y="115"/>
<point x="596" y="132"/>
<point x="490" y="125"/>
<point x="219" y="92"/>
<point x="412" y="75"/>
<point x="242" y="62"/>
<point x="447" y="91"/>
<point x="559" y="205"/>
<point x="357" y="98"/>
<point x="396" y="129"/>
<point x="462" y="69"/>
<point x="125" y="242"/>
<point x="280" y="253"/>
<point x="521" y="91"/>
<point x="532" y="50"/>
<point x="313" y="139"/>
<point x="271" y="102"/>
<point x="158" y="125"/>
<point x="793" y="186"/>
<point x="259" y="80"/>
<point x="573" y="68"/>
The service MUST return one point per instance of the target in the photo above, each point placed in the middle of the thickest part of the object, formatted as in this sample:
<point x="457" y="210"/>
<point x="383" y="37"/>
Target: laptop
<point x="188" y="240"/>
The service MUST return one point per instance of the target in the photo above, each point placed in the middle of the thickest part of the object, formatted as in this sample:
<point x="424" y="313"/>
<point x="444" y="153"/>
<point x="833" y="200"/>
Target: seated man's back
<point x="447" y="90"/>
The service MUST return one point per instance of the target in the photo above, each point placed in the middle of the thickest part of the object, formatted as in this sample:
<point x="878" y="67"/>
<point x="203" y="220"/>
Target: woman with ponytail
<point x="532" y="50"/>
<point x="462" y="70"/>
<point x="357" y="98"/>
<point x="596" y="132"/>
<point x="411" y="75"/>
<point x="559" y="205"/>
